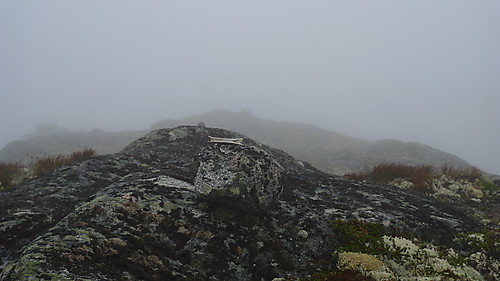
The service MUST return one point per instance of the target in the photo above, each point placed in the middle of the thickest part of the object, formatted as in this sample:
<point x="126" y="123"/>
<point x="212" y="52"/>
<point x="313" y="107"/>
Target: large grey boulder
<point x="240" y="176"/>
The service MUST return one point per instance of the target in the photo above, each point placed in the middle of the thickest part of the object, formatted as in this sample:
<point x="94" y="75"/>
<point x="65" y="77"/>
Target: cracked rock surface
<point x="172" y="206"/>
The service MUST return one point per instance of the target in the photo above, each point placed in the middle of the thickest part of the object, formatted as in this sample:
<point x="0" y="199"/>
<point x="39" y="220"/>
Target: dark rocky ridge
<point x="139" y="214"/>
<point x="329" y="151"/>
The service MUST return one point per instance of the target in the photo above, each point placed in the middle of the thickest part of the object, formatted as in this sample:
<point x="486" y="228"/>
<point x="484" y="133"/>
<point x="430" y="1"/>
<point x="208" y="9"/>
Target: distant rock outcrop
<point x="172" y="206"/>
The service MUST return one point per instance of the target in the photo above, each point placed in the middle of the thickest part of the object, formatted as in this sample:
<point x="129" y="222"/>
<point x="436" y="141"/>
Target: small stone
<point x="302" y="234"/>
<point x="260" y="244"/>
<point x="183" y="230"/>
<point x="239" y="251"/>
<point x="80" y="224"/>
<point x="118" y="242"/>
<point x="205" y="235"/>
<point x="154" y="261"/>
<point x="107" y="251"/>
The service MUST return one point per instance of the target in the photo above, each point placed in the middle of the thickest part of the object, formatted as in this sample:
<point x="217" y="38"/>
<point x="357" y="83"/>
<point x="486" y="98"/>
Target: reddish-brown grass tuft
<point x="470" y="174"/>
<point x="7" y="172"/>
<point x="48" y="164"/>
<point x="420" y="176"/>
<point x="81" y="155"/>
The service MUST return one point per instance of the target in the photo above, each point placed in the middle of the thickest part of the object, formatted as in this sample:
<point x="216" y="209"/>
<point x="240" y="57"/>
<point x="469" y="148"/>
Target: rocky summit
<point x="174" y="206"/>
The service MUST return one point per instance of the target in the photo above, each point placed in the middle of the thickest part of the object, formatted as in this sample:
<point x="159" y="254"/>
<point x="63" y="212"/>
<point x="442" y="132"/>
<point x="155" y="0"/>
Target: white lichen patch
<point x="400" y="244"/>
<point x="476" y="237"/>
<point x="178" y="133"/>
<point x="302" y="234"/>
<point x="474" y="191"/>
<point x="399" y="182"/>
<point x="416" y="259"/>
<point x="166" y="181"/>
<point x="486" y="263"/>
<point x="445" y="186"/>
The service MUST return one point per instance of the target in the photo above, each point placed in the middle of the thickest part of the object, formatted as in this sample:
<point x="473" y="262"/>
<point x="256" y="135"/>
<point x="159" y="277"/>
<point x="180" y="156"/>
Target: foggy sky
<point x="424" y="71"/>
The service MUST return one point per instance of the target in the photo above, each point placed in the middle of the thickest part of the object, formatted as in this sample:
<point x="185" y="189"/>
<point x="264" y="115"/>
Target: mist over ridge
<point x="421" y="71"/>
<point x="329" y="151"/>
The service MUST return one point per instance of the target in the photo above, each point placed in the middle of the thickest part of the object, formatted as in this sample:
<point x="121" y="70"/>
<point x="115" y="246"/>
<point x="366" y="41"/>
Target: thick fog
<point x="424" y="71"/>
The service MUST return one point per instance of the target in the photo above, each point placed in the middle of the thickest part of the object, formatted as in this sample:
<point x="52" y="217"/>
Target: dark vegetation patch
<point x="486" y="243"/>
<point x="358" y="236"/>
<point x="347" y="275"/>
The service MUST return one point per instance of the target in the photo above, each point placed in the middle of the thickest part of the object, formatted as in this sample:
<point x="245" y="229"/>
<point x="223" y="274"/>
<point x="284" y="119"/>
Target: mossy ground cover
<point x="358" y="236"/>
<point x="397" y="254"/>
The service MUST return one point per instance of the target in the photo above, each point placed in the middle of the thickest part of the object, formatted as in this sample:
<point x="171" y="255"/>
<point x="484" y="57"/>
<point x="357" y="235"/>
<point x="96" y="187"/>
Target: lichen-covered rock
<point x="240" y="176"/>
<point x="172" y="206"/>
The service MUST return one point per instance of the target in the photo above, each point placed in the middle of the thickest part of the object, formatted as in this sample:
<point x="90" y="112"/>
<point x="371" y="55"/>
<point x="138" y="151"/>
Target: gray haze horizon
<point x="421" y="71"/>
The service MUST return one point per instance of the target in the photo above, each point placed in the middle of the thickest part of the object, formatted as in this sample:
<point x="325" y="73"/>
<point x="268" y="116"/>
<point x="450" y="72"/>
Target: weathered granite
<point x="242" y="177"/>
<point x="171" y="206"/>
